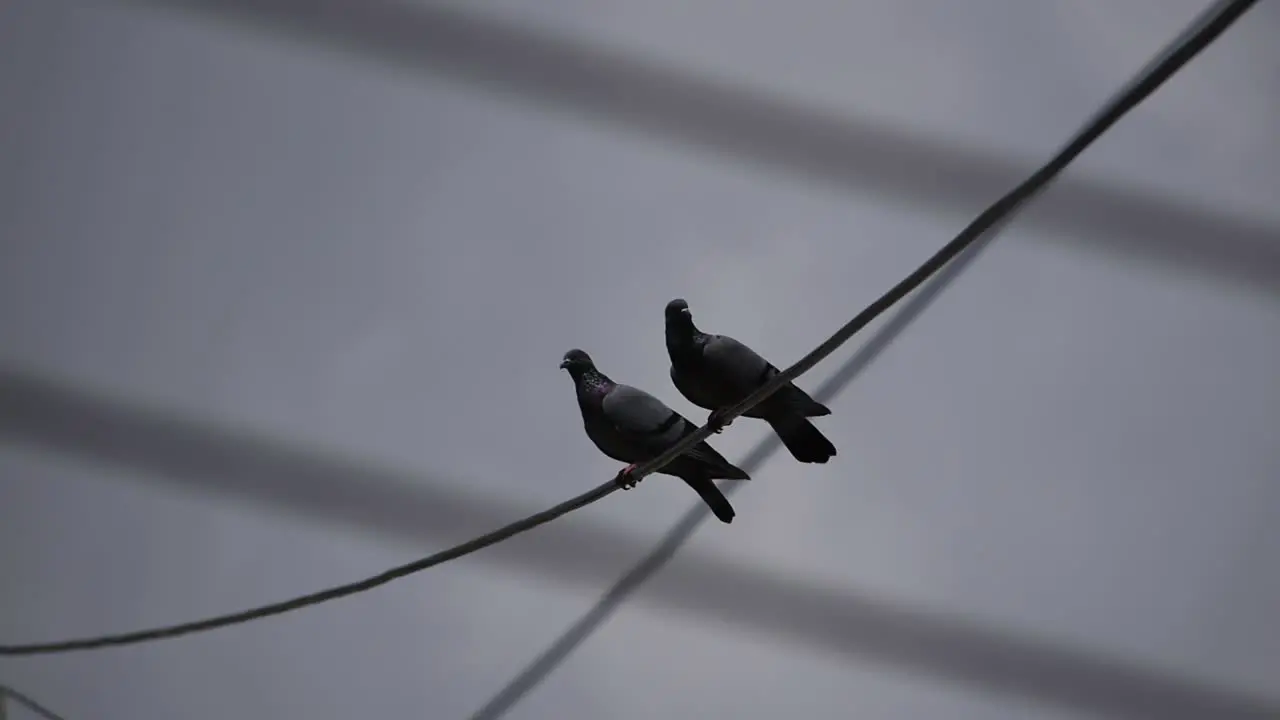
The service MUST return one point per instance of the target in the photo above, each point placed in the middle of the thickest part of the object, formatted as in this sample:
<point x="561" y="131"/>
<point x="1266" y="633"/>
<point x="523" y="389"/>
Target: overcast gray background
<point x="293" y="242"/>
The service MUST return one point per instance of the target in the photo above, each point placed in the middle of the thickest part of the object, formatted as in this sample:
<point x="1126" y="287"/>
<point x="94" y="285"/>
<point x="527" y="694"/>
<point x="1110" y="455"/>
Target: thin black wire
<point x="8" y="694"/>
<point x="572" y="638"/>
<point x="314" y="598"/>
<point x="968" y="236"/>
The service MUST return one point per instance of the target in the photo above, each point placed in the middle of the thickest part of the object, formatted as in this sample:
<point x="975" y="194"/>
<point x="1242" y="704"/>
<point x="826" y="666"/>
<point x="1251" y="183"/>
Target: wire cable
<point x="568" y="641"/>
<point x="971" y="233"/>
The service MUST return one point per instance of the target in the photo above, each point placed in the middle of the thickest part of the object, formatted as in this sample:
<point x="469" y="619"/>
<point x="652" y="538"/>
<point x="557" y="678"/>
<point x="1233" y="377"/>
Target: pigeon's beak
<point x="685" y="311"/>
<point x="564" y="364"/>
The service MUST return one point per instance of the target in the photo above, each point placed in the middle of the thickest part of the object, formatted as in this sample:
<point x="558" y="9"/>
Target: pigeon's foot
<point x="624" y="479"/>
<point x="718" y="420"/>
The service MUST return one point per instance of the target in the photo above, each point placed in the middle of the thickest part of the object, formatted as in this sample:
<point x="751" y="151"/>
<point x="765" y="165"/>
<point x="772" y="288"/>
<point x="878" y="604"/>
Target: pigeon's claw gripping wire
<point x="718" y="420"/>
<point x="624" y="479"/>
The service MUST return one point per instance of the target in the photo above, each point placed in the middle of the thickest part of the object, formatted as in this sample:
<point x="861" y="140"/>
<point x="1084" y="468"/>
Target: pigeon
<point x="716" y="371"/>
<point x="632" y="426"/>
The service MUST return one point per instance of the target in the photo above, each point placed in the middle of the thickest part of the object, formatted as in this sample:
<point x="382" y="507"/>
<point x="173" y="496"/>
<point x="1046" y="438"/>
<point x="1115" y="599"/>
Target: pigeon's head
<point x="678" y="311"/>
<point x="678" y="315"/>
<point x="576" y="362"/>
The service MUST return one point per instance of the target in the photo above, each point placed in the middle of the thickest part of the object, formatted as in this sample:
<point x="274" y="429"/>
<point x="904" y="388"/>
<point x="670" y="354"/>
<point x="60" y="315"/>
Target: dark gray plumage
<point x="632" y="426"/>
<point x="716" y="371"/>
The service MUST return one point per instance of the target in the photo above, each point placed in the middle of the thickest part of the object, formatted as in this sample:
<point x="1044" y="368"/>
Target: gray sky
<point x="389" y="265"/>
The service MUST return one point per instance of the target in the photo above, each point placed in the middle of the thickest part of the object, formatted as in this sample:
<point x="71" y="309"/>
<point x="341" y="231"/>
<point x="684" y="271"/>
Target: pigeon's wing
<point x="642" y="418"/>
<point x="646" y="422"/>
<point x="724" y="372"/>
<point x="744" y="370"/>
<point x="737" y="364"/>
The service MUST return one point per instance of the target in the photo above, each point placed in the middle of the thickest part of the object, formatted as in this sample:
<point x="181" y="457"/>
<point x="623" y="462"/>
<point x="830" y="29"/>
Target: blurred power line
<point x="753" y="126"/>
<point x="10" y="696"/>
<point x="43" y="412"/>
<point x="171" y="448"/>
<point x="995" y="215"/>
<point x="1189" y="45"/>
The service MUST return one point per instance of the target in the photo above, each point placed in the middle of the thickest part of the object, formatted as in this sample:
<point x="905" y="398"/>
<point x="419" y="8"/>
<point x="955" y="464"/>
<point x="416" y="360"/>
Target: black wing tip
<point x="724" y="470"/>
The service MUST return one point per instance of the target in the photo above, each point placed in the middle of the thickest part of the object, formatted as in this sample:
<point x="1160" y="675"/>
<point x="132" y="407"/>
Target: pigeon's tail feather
<point x="816" y="409"/>
<point x="729" y="471"/>
<point x="713" y="464"/>
<point x="712" y="496"/>
<point x="805" y="405"/>
<point x="789" y="400"/>
<point x="802" y="439"/>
